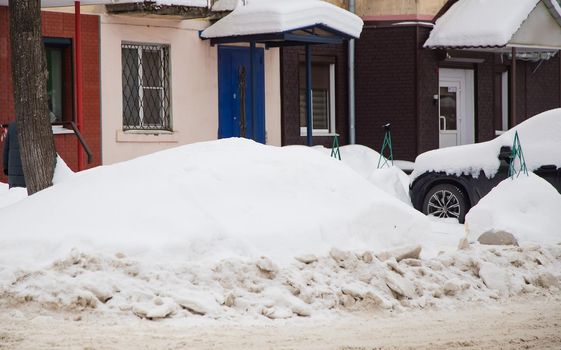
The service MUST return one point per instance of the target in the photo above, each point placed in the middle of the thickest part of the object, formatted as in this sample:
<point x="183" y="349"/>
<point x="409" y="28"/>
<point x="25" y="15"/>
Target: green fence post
<point x="335" y="151"/>
<point x="517" y="154"/>
<point x="387" y="143"/>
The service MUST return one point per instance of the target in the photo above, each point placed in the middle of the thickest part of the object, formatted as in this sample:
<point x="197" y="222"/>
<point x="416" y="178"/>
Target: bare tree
<point x="29" y="77"/>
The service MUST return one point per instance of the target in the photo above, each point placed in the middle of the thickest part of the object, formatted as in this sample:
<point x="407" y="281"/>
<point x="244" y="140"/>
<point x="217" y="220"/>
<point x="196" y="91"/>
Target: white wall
<point x="194" y="86"/>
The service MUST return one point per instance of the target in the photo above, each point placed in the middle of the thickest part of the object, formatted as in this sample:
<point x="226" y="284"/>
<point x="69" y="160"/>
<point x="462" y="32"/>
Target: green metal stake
<point x="335" y="151"/>
<point x="517" y="153"/>
<point x="387" y="143"/>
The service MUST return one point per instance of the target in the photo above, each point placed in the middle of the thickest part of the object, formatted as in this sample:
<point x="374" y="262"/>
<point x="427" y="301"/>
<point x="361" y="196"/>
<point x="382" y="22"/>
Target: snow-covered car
<point x="447" y="182"/>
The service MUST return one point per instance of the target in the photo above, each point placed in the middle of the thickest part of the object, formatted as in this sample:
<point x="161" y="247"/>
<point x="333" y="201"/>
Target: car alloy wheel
<point x="444" y="204"/>
<point x="445" y="201"/>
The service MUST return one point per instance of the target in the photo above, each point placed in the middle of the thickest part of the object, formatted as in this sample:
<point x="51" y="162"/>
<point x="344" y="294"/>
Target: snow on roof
<point x="539" y="137"/>
<point x="480" y="23"/>
<point x="225" y="5"/>
<point x="273" y="16"/>
<point x="61" y="3"/>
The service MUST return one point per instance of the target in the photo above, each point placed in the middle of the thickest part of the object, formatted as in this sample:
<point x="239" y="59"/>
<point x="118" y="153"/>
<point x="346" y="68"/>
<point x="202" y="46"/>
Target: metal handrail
<point x="76" y="132"/>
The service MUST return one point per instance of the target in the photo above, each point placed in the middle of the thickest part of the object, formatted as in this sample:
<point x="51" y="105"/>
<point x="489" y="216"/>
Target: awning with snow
<point x="277" y="23"/>
<point x="499" y="25"/>
<point x="284" y="23"/>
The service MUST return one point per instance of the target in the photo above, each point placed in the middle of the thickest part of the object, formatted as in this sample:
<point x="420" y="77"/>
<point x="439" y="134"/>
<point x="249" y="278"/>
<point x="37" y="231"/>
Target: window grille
<point x="146" y="89"/>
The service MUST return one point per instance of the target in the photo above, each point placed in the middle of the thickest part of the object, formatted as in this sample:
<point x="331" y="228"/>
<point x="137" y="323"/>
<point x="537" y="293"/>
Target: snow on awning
<point x="499" y="24"/>
<point x="62" y="3"/>
<point x="273" y="16"/>
<point x="224" y="5"/>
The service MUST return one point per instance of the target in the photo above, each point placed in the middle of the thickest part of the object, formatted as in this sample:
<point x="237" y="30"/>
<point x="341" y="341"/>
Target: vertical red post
<point x="78" y="79"/>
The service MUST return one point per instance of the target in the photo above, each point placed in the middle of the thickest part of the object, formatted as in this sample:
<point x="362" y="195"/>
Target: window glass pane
<point x="320" y="96"/>
<point x="54" y="83"/>
<point x="448" y="109"/>
<point x="320" y="99"/>
<point x="151" y="68"/>
<point x="131" y="105"/>
<point x="151" y="107"/>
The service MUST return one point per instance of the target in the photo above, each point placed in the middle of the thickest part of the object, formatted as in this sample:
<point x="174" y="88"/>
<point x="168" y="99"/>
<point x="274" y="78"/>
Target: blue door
<point x="234" y="94"/>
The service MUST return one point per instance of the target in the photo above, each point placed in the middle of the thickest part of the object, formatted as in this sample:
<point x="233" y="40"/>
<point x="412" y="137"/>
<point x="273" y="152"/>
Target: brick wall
<point x="61" y="25"/>
<point x="386" y="88"/>
<point x="390" y="89"/>
<point x="290" y="59"/>
<point x="428" y="87"/>
<point x="538" y="87"/>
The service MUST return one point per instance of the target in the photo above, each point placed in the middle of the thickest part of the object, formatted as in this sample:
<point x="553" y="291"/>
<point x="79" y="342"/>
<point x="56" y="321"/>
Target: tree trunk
<point x="29" y="77"/>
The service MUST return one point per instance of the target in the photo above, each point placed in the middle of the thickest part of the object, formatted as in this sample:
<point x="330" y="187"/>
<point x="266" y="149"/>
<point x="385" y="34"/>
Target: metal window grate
<point x="146" y="87"/>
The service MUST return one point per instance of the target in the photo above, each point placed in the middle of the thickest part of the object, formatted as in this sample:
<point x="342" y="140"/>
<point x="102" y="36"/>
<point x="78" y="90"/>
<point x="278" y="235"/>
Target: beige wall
<point x="194" y="86"/>
<point x="371" y="8"/>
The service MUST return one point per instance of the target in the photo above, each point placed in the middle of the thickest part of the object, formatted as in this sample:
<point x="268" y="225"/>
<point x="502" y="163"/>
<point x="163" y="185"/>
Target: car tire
<point x="445" y="201"/>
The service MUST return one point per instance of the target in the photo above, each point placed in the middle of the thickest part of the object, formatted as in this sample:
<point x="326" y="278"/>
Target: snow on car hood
<point x="540" y="137"/>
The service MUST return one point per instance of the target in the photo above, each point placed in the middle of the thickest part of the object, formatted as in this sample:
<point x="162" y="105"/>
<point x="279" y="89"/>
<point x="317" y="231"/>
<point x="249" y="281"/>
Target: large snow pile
<point x="257" y="288"/>
<point x="480" y="23"/>
<point x="227" y="198"/>
<point x="539" y="136"/>
<point x="10" y="196"/>
<point x="230" y="228"/>
<point x="273" y="16"/>
<point x="364" y="161"/>
<point x="528" y="207"/>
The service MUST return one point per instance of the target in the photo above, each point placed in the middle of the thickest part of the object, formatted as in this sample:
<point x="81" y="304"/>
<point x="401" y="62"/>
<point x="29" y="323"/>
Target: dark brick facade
<point x="396" y="80"/>
<point x="61" y="25"/>
<point x="386" y="88"/>
<point x="538" y="87"/>
<point x="290" y="110"/>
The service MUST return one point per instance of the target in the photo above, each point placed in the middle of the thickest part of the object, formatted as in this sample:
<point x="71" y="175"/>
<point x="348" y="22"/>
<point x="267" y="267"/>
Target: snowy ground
<point x="288" y="242"/>
<point x="520" y="324"/>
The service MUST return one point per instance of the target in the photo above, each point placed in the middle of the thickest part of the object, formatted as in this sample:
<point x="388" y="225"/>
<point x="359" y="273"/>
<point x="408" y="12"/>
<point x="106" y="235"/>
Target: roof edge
<point x="554" y="9"/>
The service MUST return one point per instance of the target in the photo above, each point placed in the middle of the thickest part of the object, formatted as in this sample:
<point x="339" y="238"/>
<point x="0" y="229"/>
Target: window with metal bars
<point x="146" y="88"/>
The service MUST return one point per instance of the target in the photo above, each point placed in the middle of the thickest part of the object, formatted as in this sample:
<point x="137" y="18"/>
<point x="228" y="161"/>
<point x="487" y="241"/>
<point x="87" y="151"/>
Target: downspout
<point x="309" y="121"/>
<point x="351" y="72"/>
<point x="78" y="80"/>
<point x="513" y="112"/>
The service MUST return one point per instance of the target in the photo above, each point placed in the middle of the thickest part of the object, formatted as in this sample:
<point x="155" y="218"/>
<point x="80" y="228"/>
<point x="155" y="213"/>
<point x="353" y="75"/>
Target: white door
<point x="455" y="107"/>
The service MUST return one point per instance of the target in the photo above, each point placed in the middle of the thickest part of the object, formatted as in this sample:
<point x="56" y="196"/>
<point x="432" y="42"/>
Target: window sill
<point x="319" y="134"/>
<point x="141" y="136"/>
<point x="61" y="130"/>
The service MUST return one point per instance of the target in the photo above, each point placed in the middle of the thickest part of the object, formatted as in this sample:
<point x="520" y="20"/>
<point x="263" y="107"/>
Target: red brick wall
<point x="61" y="25"/>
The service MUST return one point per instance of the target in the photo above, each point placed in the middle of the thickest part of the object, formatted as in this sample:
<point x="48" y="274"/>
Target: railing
<point x="78" y="135"/>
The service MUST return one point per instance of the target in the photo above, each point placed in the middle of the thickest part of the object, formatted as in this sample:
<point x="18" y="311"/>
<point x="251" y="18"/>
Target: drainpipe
<point x="78" y="79"/>
<point x="513" y="111"/>
<point x="351" y="70"/>
<point x="309" y="121"/>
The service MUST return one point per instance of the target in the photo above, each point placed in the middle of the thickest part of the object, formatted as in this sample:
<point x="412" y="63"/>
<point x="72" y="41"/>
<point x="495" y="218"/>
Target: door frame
<point x="466" y="102"/>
